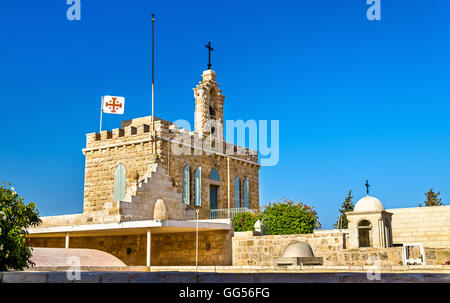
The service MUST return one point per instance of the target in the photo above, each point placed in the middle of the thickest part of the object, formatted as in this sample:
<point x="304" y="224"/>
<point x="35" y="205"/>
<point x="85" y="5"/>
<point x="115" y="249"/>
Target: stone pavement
<point x="235" y="274"/>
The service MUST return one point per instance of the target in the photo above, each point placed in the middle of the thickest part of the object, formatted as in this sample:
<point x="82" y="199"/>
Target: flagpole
<point x="153" y="76"/>
<point x="101" y="115"/>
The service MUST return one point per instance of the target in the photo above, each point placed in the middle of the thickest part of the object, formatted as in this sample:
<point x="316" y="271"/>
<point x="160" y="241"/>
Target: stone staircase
<point x="139" y="202"/>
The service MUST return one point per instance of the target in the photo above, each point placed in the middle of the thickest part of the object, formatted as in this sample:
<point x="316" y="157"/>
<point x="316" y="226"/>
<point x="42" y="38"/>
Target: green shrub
<point x="15" y="218"/>
<point x="287" y="217"/>
<point x="245" y="221"/>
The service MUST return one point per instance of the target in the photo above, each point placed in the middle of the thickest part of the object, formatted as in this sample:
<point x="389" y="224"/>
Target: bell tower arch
<point x="208" y="105"/>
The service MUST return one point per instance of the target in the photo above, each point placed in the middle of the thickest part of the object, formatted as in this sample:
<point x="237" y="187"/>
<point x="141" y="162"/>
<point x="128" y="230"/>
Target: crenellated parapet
<point x="117" y="137"/>
<point x="138" y="131"/>
<point x="198" y="142"/>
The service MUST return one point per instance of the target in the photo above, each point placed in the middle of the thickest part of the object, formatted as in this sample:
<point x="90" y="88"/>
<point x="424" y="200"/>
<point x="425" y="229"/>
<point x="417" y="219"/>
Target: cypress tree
<point x="346" y="206"/>
<point x="432" y="199"/>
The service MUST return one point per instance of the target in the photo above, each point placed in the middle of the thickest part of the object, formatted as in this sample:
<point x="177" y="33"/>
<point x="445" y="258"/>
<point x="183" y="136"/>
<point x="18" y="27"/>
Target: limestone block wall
<point x="427" y="225"/>
<point x="179" y="249"/>
<point x="129" y="146"/>
<point x="437" y="256"/>
<point x="387" y="256"/>
<point x="65" y="220"/>
<point x="156" y="185"/>
<point x="262" y="250"/>
<point x="166" y="249"/>
<point x="175" y="165"/>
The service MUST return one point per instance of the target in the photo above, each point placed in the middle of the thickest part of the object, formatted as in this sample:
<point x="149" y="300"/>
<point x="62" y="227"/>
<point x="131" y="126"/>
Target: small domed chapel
<point x="146" y="182"/>
<point x="369" y="224"/>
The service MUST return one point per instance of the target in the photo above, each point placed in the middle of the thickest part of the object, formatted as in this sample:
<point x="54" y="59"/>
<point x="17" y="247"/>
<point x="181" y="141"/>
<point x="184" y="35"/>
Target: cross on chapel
<point x="367" y="186"/>
<point x="208" y="46"/>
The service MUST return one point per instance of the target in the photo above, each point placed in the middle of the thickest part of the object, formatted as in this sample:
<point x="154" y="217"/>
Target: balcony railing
<point x="225" y="213"/>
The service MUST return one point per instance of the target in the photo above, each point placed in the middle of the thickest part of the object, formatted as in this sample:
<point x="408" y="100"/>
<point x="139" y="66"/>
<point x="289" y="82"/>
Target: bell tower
<point x="209" y="105"/>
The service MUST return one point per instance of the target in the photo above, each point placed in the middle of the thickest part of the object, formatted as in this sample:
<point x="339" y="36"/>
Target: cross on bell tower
<point x="208" y="46"/>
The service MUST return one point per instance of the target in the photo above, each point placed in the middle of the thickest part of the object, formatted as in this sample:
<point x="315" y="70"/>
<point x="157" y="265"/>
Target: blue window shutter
<point x="120" y="182"/>
<point x="186" y="183"/>
<point x="246" y="204"/>
<point x="237" y="193"/>
<point x="214" y="175"/>
<point x="198" y="186"/>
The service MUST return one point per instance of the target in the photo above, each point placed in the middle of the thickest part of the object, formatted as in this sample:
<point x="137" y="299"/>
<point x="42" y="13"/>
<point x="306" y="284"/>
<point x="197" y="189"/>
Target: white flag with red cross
<point x="113" y="105"/>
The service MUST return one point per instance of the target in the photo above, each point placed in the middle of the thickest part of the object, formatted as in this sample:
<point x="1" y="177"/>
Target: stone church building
<point x="146" y="181"/>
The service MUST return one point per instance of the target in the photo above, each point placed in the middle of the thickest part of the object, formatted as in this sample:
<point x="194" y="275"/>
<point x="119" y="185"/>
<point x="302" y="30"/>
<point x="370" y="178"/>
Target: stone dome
<point x="297" y="250"/>
<point x="369" y="203"/>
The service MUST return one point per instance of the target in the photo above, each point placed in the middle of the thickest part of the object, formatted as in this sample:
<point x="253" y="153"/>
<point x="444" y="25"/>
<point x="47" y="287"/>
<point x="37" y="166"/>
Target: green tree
<point x="245" y="221"/>
<point x="289" y="217"/>
<point x="346" y="206"/>
<point x="432" y="199"/>
<point x="15" y="218"/>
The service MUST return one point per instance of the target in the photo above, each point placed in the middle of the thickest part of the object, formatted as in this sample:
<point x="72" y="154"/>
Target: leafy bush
<point x="287" y="217"/>
<point x="245" y="221"/>
<point x="15" y="218"/>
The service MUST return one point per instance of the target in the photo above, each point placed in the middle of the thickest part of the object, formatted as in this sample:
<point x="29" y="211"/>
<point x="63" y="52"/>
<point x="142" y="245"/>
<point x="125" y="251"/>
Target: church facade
<point x="147" y="181"/>
<point x="120" y="163"/>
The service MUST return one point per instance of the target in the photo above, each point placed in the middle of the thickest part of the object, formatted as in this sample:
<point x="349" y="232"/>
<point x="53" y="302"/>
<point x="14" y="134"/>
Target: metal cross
<point x="367" y="186"/>
<point x="208" y="46"/>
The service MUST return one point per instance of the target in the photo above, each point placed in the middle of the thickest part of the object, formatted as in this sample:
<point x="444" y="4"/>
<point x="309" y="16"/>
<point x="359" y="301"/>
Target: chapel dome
<point x="298" y="250"/>
<point x="369" y="203"/>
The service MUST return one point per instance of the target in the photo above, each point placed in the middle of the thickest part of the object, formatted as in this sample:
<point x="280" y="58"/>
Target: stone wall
<point x="131" y="146"/>
<point x="427" y="225"/>
<point x="172" y="249"/>
<point x="179" y="249"/>
<point x="64" y="220"/>
<point x="104" y="151"/>
<point x="263" y="250"/>
<point x="140" y="202"/>
<point x="237" y="168"/>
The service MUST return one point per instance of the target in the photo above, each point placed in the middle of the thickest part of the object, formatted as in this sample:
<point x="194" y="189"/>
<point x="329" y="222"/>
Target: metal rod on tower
<point x="196" y="240"/>
<point x="101" y="115"/>
<point x="153" y="75"/>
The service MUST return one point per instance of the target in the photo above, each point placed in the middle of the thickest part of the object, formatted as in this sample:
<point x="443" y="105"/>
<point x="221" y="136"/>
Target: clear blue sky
<point x="356" y="99"/>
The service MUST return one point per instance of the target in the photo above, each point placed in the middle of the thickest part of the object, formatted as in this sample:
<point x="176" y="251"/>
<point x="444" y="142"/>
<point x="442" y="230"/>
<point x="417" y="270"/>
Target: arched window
<point x="120" y="182"/>
<point x="212" y="112"/>
<point x="246" y="201"/>
<point x="186" y="184"/>
<point x="364" y="230"/>
<point x="237" y="193"/>
<point x="214" y="175"/>
<point x="198" y="186"/>
<point x="211" y="98"/>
